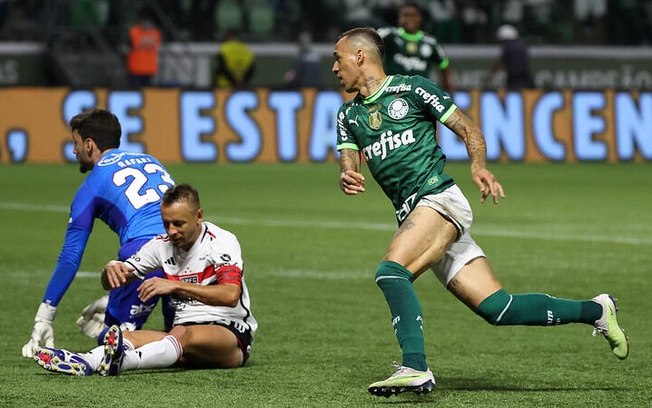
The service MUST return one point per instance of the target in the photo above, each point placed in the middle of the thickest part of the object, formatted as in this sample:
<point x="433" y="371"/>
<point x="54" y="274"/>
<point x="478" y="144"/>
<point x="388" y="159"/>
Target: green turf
<point x="310" y="254"/>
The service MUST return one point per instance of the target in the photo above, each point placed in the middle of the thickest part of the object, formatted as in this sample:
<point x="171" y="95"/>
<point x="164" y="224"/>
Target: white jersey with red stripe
<point x="213" y="259"/>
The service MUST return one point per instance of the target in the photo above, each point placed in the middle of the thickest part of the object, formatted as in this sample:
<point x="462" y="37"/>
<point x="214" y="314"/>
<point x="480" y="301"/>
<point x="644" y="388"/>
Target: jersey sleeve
<point x="67" y="265"/>
<point x="80" y="226"/>
<point x="227" y="257"/>
<point x="435" y="102"/>
<point x="439" y="56"/>
<point x="83" y="209"/>
<point x="345" y="138"/>
<point x="148" y="257"/>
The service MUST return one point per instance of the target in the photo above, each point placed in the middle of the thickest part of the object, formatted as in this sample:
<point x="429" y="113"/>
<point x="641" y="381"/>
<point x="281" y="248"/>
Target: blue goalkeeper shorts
<point x="124" y="307"/>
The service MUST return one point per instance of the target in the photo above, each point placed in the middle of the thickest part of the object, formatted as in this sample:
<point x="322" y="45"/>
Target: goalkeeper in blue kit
<point x="392" y="122"/>
<point x="123" y="190"/>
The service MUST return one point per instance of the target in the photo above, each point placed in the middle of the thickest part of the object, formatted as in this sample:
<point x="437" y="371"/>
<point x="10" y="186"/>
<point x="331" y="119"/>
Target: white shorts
<point x="461" y="252"/>
<point x="452" y="204"/>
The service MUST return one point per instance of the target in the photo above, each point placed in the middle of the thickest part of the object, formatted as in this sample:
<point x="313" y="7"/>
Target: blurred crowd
<point x="597" y="22"/>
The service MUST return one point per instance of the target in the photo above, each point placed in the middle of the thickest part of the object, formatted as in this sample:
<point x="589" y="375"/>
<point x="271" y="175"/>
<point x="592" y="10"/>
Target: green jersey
<point x="395" y="130"/>
<point x="411" y="54"/>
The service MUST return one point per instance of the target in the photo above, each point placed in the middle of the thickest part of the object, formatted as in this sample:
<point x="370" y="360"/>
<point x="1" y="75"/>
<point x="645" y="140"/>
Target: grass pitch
<point x="310" y="254"/>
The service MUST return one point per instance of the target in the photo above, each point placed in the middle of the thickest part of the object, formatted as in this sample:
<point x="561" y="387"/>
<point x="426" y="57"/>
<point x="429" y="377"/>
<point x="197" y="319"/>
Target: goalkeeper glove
<point x="91" y="321"/>
<point x="43" y="333"/>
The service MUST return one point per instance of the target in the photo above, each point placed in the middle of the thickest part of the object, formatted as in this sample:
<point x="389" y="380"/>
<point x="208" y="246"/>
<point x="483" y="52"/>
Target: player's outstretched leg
<point x="62" y="361"/>
<point x="608" y="326"/>
<point x="113" y="352"/>
<point x="403" y="380"/>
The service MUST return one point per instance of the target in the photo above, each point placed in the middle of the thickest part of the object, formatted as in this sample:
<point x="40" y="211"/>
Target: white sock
<point x="94" y="357"/>
<point x="158" y="354"/>
<point x="127" y="345"/>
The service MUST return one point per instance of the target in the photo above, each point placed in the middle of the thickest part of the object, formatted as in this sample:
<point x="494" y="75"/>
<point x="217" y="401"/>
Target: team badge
<point x="411" y="47"/>
<point x="375" y="119"/>
<point x="398" y="108"/>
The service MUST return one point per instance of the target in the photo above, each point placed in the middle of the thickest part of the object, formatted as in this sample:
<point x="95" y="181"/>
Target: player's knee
<point x="389" y="271"/>
<point x="494" y="306"/>
<point x="180" y="333"/>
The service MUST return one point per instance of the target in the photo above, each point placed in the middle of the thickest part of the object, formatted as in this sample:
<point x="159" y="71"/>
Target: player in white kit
<point x="213" y="324"/>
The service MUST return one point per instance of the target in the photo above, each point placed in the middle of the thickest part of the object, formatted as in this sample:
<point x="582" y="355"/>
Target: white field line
<point x="277" y="272"/>
<point x="477" y="230"/>
<point x="33" y="207"/>
<point x="87" y="274"/>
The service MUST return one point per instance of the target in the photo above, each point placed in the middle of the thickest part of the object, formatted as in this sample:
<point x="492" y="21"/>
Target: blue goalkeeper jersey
<point x="123" y="190"/>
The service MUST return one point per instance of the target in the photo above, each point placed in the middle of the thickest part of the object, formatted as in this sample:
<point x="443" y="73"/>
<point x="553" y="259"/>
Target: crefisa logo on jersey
<point x="431" y="99"/>
<point x="388" y="142"/>
<point x="398" y="109"/>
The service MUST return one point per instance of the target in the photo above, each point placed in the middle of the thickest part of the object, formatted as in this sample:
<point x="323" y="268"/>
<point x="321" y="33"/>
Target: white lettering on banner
<point x="586" y="125"/>
<point x="237" y="115"/>
<point x="634" y="125"/>
<point x="544" y="132"/>
<point x="506" y="129"/>
<point x="122" y="104"/>
<point x="322" y="138"/>
<point x="194" y="124"/>
<point x="533" y="125"/>
<point x="286" y="105"/>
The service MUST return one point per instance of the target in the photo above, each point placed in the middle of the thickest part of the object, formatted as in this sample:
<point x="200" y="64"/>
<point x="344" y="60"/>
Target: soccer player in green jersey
<point x="410" y="51"/>
<point x="391" y="121"/>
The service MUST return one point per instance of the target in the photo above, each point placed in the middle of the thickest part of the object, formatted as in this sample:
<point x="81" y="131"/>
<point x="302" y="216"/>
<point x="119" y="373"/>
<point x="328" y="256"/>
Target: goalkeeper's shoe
<point x="404" y="379"/>
<point x="113" y="352"/>
<point x="62" y="361"/>
<point x="608" y="326"/>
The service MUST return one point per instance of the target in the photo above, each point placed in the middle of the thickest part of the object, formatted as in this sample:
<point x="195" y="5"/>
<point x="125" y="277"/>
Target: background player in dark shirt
<point x="411" y="51"/>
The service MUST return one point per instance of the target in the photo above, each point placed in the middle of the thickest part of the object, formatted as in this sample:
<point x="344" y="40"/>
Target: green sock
<point x="396" y="283"/>
<point x="536" y="309"/>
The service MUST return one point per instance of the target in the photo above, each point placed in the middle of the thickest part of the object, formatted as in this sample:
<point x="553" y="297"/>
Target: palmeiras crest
<point x="375" y="119"/>
<point x="398" y="108"/>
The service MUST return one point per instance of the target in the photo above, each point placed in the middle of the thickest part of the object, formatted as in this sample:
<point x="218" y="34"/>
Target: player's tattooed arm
<point x="351" y="180"/>
<point x="349" y="160"/>
<point x="472" y="136"/>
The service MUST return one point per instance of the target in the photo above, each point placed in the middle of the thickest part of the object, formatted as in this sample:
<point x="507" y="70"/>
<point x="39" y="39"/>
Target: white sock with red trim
<point x="158" y="354"/>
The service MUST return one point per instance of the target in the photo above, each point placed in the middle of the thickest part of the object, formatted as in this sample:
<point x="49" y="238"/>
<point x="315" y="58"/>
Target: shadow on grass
<point x="468" y="384"/>
<point x="449" y="385"/>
